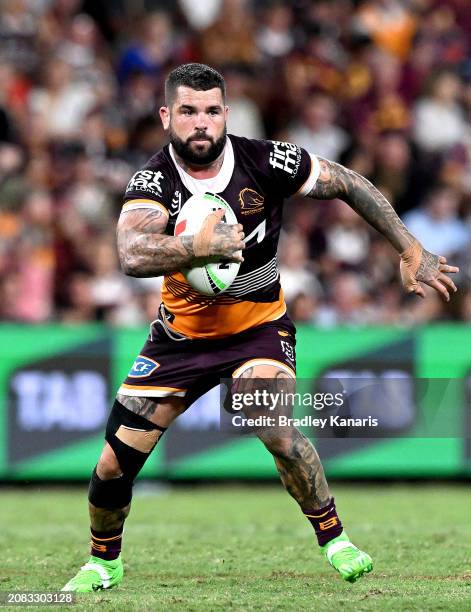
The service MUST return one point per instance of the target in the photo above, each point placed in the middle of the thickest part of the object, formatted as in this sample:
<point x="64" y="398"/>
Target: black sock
<point x="106" y="544"/>
<point x="325" y="521"/>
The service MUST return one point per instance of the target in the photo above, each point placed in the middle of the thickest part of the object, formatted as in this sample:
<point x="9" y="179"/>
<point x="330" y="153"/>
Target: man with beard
<point x="243" y="333"/>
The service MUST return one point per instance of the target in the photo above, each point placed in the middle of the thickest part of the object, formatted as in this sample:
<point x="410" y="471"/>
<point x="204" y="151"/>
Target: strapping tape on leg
<point x="110" y="494"/>
<point x="132" y="438"/>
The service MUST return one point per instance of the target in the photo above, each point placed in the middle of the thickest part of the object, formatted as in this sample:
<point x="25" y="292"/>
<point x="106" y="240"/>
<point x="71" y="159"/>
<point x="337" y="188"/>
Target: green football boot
<point x="350" y="562"/>
<point x="96" y="575"/>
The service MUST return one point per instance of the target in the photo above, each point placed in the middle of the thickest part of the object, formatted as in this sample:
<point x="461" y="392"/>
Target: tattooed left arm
<point x="417" y="264"/>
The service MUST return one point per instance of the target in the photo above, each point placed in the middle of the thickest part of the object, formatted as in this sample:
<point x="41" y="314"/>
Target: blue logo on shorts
<point x="143" y="366"/>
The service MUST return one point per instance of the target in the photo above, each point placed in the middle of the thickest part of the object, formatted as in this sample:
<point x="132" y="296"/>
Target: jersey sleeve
<point x="291" y="168"/>
<point x="148" y="188"/>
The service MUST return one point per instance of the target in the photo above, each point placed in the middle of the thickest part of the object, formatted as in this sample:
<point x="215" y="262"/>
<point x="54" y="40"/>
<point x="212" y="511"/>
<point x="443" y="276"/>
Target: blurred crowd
<point x="381" y="86"/>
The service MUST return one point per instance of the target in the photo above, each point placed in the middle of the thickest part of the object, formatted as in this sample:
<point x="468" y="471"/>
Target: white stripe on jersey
<point x="257" y="279"/>
<point x="312" y="178"/>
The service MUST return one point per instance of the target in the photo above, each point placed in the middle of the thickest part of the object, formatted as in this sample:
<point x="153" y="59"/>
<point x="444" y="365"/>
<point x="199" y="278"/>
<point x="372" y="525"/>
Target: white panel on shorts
<point x="151" y="392"/>
<point x="257" y="362"/>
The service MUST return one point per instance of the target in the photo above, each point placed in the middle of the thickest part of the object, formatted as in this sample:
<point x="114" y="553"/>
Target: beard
<point x="198" y="156"/>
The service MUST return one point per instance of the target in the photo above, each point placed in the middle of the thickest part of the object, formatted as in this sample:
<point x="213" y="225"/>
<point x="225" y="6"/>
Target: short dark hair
<point x="196" y="76"/>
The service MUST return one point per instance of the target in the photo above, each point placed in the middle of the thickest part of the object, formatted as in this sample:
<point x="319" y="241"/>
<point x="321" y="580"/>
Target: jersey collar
<point x="218" y="183"/>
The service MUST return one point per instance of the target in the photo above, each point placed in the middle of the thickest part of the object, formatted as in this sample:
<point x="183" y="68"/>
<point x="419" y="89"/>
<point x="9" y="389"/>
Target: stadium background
<point x="383" y="87"/>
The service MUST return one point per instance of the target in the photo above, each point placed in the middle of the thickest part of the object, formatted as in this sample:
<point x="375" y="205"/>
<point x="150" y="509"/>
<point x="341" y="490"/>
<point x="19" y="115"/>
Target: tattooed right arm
<point x="144" y="250"/>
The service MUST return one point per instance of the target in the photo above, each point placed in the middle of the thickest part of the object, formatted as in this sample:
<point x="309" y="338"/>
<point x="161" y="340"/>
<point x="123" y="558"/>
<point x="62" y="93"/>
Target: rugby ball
<point x="212" y="278"/>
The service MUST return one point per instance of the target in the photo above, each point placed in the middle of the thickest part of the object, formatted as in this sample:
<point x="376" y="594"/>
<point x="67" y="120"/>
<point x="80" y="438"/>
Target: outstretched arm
<point x="144" y="250"/>
<point x="417" y="264"/>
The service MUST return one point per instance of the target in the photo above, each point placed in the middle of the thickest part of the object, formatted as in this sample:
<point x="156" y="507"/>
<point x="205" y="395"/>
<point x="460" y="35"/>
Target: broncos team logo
<point x="250" y="201"/>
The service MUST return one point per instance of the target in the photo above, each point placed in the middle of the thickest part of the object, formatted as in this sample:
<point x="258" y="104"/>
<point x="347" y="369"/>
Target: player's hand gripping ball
<point x="215" y="277"/>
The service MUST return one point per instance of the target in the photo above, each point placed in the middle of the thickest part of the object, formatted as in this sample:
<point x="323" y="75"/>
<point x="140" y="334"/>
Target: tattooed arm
<point x="417" y="264"/>
<point x="144" y="250"/>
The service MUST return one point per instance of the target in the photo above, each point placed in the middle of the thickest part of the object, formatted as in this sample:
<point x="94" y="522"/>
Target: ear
<point x="226" y="112"/>
<point x="164" y="114"/>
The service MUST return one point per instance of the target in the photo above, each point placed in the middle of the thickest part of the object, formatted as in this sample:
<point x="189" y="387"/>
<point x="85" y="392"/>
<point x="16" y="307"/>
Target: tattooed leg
<point x="161" y="412"/>
<point x="103" y="519"/>
<point x="302" y="473"/>
<point x="299" y="467"/>
<point x="143" y="406"/>
<point x="295" y="457"/>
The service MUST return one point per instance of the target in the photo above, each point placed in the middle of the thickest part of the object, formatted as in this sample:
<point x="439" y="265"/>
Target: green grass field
<point x="248" y="548"/>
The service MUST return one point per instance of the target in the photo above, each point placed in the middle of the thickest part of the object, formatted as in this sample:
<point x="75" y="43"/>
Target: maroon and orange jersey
<point x="255" y="178"/>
